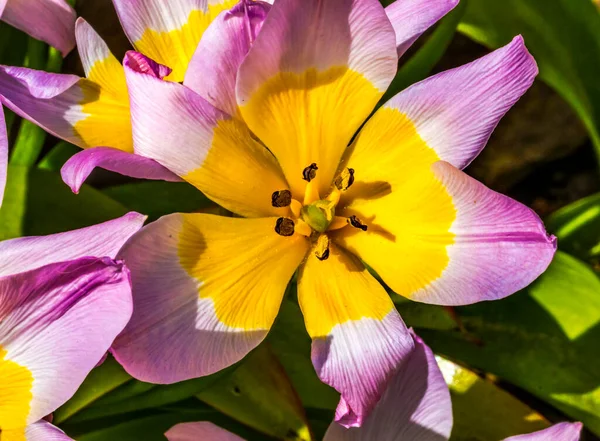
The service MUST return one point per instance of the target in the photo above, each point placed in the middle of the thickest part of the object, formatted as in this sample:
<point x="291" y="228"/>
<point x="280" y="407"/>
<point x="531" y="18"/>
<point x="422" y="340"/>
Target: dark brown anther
<point x="284" y="226"/>
<point x="322" y="247"/>
<point x="281" y="198"/>
<point x="356" y="223"/>
<point x="345" y="180"/>
<point x="309" y="173"/>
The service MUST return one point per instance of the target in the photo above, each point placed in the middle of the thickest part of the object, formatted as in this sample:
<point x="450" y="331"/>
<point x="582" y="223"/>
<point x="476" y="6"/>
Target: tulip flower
<point x="277" y="152"/>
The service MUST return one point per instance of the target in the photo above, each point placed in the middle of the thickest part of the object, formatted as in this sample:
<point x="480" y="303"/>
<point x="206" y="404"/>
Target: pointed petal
<point x="105" y="239"/>
<point x="455" y="112"/>
<point x="200" y="431"/>
<point x="77" y="110"/>
<point x="424" y="238"/>
<point x="56" y="324"/>
<point x="168" y="32"/>
<point x="313" y="75"/>
<point x="44" y="431"/>
<point x="206" y="290"/>
<point x="416" y="405"/>
<point x="212" y="72"/>
<point x="213" y="151"/>
<point x="77" y="169"/>
<point x="358" y="337"/>
<point x="3" y="153"/>
<point x="51" y="21"/>
<point x="558" y="432"/>
<point x="411" y="18"/>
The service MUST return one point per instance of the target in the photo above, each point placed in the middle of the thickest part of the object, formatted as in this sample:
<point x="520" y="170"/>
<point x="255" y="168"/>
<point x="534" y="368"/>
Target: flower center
<point x="315" y="217"/>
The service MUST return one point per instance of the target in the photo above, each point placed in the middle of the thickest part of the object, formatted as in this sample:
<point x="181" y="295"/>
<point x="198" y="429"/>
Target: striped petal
<point x="168" y="32"/>
<point x="87" y="112"/>
<point x="313" y="75"/>
<point x="411" y="18"/>
<point x="212" y="72"/>
<point x="51" y="21"/>
<point x="455" y="112"/>
<point x="206" y="290"/>
<point x="200" y="431"/>
<point x="416" y="405"/>
<point x="208" y="148"/>
<point x="105" y="239"/>
<point x="77" y="169"/>
<point x="358" y="337"/>
<point x="44" y="431"/>
<point x="3" y="153"/>
<point x="558" y="432"/>
<point x="56" y="324"/>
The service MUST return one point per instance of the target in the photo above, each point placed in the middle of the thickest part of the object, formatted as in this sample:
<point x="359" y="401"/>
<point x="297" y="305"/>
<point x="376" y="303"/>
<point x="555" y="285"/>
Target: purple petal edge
<point x="77" y="169"/>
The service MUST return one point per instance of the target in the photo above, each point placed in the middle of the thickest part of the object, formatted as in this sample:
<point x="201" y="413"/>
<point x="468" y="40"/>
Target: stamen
<point x="296" y="207"/>
<point x="284" y="227"/>
<point x="356" y="223"/>
<point x="310" y="172"/>
<point x="281" y="198"/>
<point x="303" y="228"/>
<point x="337" y="223"/>
<point x="345" y="180"/>
<point x="322" y="247"/>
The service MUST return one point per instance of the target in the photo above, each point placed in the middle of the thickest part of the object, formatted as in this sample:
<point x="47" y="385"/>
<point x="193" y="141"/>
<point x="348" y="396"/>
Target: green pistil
<point x="319" y="215"/>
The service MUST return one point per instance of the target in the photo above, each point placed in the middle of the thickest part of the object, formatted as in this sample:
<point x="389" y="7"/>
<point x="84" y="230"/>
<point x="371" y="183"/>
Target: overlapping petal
<point x="77" y="169"/>
<point x="51" y="21"/>
<point x="358" y="337"/>
<point x="212" y="72"/>
<point x="416" y="405"/>
<point x="105" y="239"/>
<point x="200" y="431"/>
<point x="208" y="148"/>
<point x="313" y="75"/>
<point x="434" y="234"/>
<point x="168" y="32"/>
<point x="411" y="18"/>
<point x="558" y="432"/>
<point x="206" y="291"/>
<point x="56" y="323"/>
<point x="44" y="431"/>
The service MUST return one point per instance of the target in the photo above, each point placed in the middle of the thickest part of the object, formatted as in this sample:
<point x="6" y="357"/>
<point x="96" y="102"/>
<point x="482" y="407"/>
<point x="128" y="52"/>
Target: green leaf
<point x="37" y="202"/>
<point x="422" y="62"/>
<point x="57" y="157"/>
<point x="105" y="378"/>
<point x="150" y="397"/>
<point x="157" y="198"/>
<point x="482" y="411"/>
<point x="259" y="394"/>
<point x="292" y="344"/>
<point x="577" y="227"/>
<point x="543" y="339"/>
<point x="563" y="37"/>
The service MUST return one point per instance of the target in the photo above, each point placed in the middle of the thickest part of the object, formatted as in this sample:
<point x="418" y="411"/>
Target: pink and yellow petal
<point x="358" y="337"/>
<point x="455" y="112"/>
<point x="44" y="431"/>
<point x="206" y="291"/>
<point x="169" y="32"/>
<point x="74" y="109"/>
<point x="51" y="21"/>
<point x="105" y="239"/>
<point x="313" y="75"/>
<point x="213" y="70"/>
<point x="40" y="312"/>
<point x="558" y="432"/>
<point x="3" y="153"/>
<point x="416" y="405"/>
<point x="208" y="148"/>
<point x="77" y="169"/>
<point x="411" y="18"/>
<point x="200" y="431"/>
